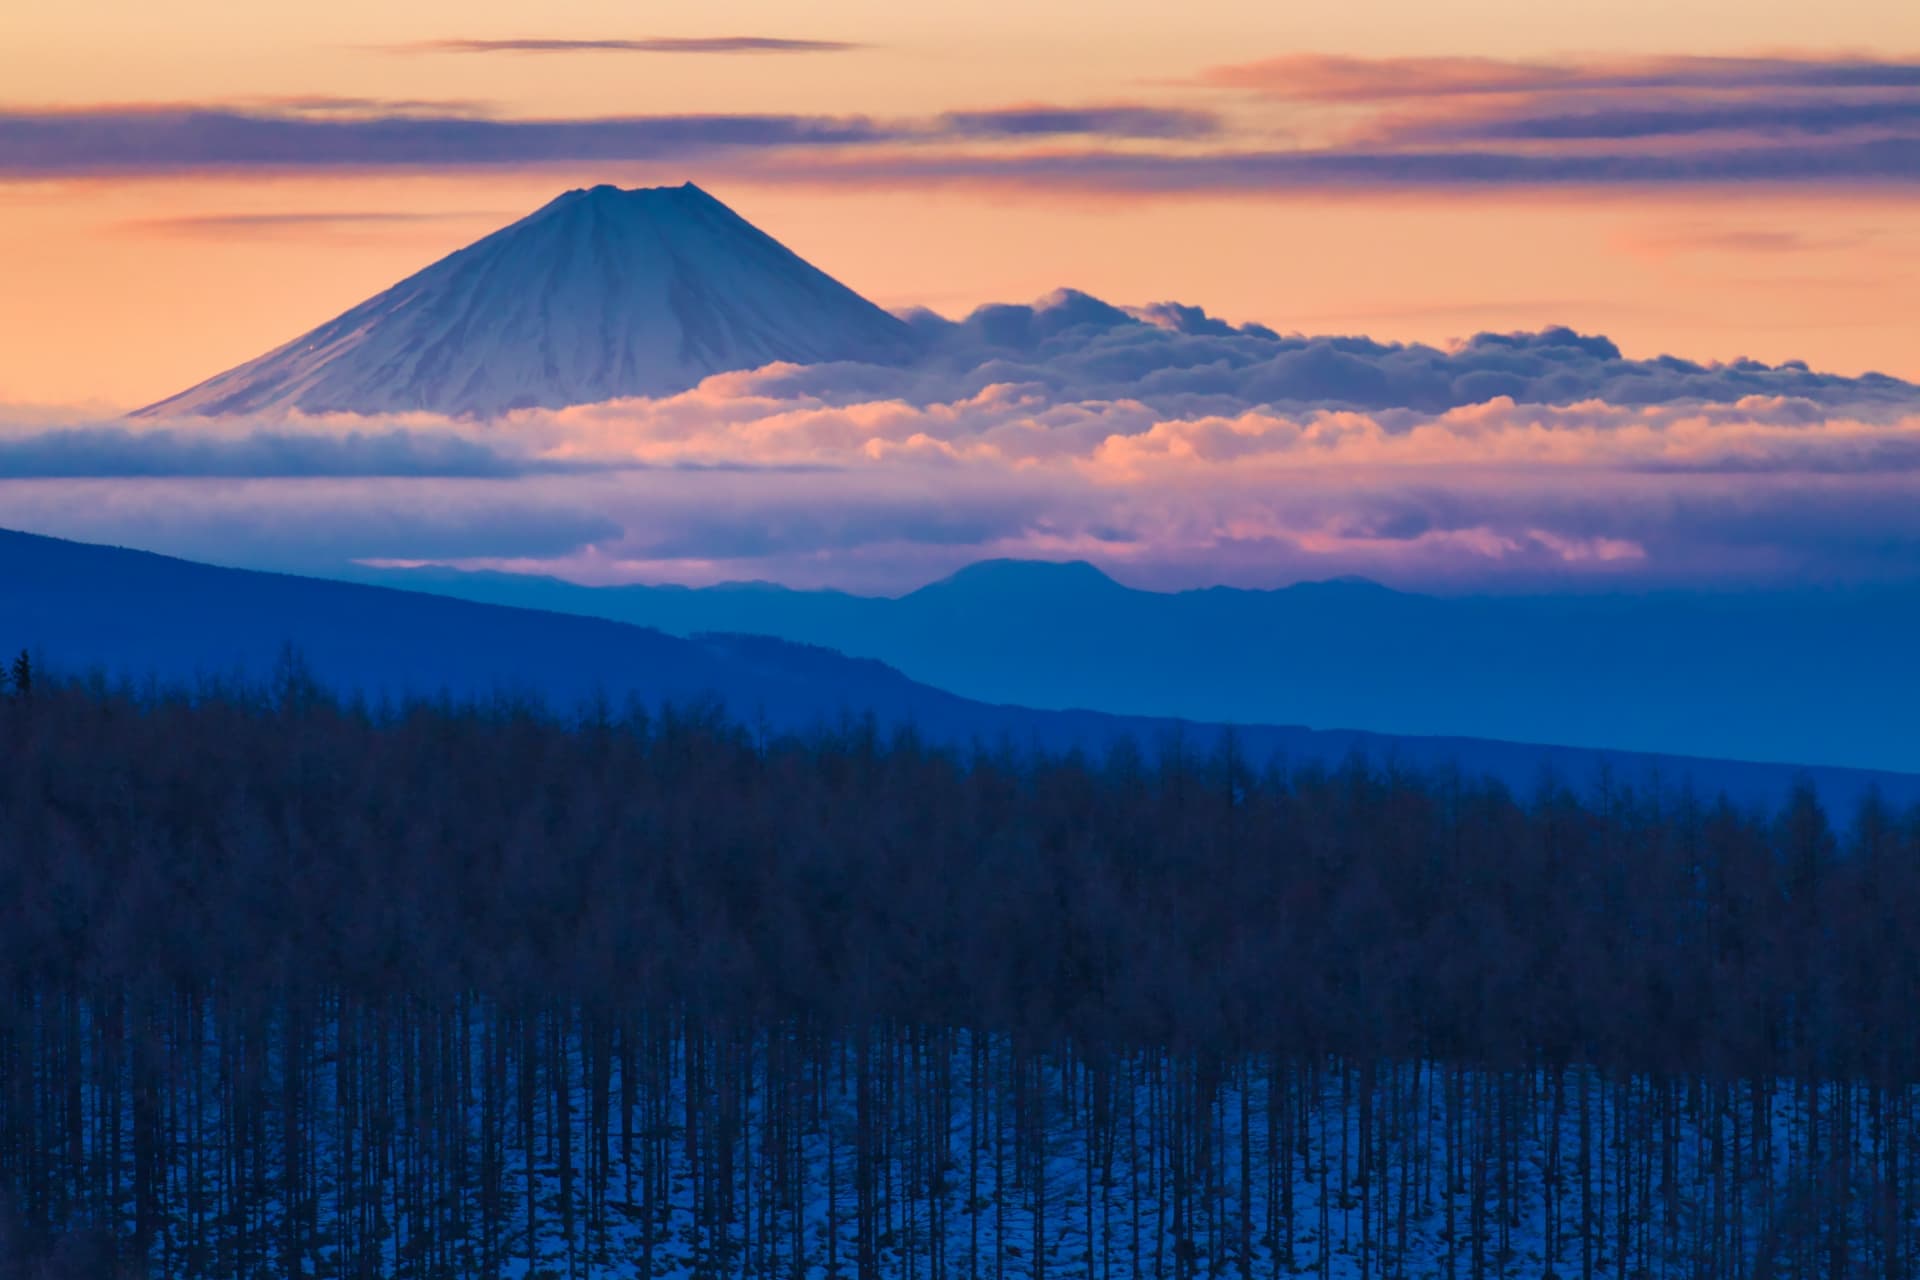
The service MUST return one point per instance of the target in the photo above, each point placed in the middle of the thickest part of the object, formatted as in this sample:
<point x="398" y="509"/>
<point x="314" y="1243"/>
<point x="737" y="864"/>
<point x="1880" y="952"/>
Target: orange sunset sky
<point x="133" y="269"/>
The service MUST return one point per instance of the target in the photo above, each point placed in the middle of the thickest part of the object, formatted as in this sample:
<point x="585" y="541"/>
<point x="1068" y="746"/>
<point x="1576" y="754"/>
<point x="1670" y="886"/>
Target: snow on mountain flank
<point x="600" y="294"/>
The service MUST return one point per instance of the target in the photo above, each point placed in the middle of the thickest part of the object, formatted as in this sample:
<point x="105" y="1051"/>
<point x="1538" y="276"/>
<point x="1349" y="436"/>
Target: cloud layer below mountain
<point x="1161" y="443"/>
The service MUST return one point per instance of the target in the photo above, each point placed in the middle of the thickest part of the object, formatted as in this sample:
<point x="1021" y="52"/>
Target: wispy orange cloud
<point x="1321" y="78"/>
<point x="1738" y="240"/>
<point x="654" y="44"/>
<point x="296" y="222"/>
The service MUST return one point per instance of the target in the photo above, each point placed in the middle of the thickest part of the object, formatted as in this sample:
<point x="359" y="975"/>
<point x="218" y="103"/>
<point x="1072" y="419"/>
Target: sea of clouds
<point x="1160" y="442"/>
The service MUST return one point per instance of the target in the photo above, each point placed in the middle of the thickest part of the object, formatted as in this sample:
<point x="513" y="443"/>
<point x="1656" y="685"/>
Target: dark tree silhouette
<point x="296" y="987"/>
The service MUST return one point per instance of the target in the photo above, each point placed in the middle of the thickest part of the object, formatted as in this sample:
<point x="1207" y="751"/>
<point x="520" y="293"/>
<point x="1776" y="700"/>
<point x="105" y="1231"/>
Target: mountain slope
<point x="1813" y="675"/>
<point x="602" y="293"/>
<point x="134" y="615"/>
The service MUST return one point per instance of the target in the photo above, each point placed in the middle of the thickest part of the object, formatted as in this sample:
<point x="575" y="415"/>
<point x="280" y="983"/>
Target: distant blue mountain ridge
<point x="1809" y="675"/>
<point x="137" y="616"/>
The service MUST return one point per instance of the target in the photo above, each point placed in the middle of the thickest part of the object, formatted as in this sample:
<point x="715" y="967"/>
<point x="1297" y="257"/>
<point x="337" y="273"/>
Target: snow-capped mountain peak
<point x="598" y="294"/>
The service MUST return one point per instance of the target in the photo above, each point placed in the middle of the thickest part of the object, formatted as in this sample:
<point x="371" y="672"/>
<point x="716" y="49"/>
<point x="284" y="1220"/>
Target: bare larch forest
<point x="293" y="986"/>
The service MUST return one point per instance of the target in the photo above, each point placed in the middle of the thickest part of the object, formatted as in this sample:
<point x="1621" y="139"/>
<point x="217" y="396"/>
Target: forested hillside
<point x="296" y="987"/>
<point x="147" y="618"/>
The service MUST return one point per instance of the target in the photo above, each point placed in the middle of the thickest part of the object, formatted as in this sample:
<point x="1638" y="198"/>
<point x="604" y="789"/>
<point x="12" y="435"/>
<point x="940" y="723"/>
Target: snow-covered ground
<point x="1130" y="1187"/>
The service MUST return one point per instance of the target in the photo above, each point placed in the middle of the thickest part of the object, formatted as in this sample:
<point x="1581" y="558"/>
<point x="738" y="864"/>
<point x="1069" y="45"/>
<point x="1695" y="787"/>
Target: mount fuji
<point x="601" y="293"/>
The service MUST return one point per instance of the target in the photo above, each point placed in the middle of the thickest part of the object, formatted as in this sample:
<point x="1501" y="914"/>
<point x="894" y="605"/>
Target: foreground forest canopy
<point x="293" y="987"/>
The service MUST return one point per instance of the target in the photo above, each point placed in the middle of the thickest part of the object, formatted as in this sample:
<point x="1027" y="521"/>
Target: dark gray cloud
<point x="1428" y="123"/>
<point x="351" y="133"/>
<point x="1680" y="119"/>
<point x="190" y="139"/>
<point x="657" y="44"/>
<point x="118" y="451"/>
<point x="1113" y="122"/>
<point x="306" y="523"/>
<point x="829" y="528"/>
<point x="317" y="449"/>
<point x="1818" y="456"/>
<point x="1880" y="161"/>
<point x="1178" y="359"/>
<point x="1804" y="119"/>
